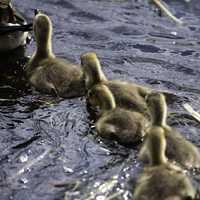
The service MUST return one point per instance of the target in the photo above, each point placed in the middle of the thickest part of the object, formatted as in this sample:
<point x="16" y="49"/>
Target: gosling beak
<point x="37" y="11"/>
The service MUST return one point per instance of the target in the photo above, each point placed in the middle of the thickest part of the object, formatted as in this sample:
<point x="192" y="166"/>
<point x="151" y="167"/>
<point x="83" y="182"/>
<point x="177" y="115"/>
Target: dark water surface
<point x="46" y="141"/>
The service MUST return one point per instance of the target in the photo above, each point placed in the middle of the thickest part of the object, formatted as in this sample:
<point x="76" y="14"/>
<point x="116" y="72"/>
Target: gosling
<point x="127" y="95"/>
<point x="178" y="148"/>
<point x="115" y="123"/>
<point x="161" y="180"/>
<point x="45" y="71"/>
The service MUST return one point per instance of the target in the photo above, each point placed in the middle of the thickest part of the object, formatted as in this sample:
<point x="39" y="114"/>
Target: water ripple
<point x="134" y="43"/>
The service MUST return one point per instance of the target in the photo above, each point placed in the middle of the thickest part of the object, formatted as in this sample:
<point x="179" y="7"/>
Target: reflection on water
<point x="48" y="146"/>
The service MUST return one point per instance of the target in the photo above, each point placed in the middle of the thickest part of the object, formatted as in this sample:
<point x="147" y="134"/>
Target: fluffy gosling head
<point x="100" y="95"/>
<point x="92" y="69"/>
<point x="155" y="144"/>
<point x="42" y="27"/>
<point x="158" y="108"/>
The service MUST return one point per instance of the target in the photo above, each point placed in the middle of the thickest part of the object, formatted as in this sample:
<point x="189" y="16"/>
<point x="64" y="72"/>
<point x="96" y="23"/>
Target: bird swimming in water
<point x="115" y="123"/>
<point x="127" y="95"/>
<point x="48" y="73"/>
<point x="161" y="180"/>
<point x="178" y="148"/>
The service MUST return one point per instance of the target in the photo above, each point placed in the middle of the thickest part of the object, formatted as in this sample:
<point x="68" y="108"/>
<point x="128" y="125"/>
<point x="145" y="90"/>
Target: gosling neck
<point x="107" y="101"/>
<point x="158" y="157"/>
<point x="159" y="114"/>
<point x="157" y="148"/>
<point x="43" y="51"/>
<point x="94" y="75"/>
<point x="44" y="47"/>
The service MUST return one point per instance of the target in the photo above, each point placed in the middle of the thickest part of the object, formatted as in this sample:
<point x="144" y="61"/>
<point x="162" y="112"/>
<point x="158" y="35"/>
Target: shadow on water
<point x="48" y="146"/>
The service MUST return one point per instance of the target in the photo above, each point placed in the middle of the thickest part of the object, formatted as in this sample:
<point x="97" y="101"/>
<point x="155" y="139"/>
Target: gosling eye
<point x="90" y="94"/>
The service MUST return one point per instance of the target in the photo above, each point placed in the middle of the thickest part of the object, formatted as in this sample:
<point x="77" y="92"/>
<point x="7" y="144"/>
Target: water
<point x="48" y="146"/>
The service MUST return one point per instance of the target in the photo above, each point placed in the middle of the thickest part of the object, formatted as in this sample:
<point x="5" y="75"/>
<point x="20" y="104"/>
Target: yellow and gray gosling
<point x="127" y="95"/>
<point x="126" y="127"/>
<point x="178" y="148"/>
<point x="45" y="71"/>
<point x="11" y="17"/>
<point x="161" y="180"/>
